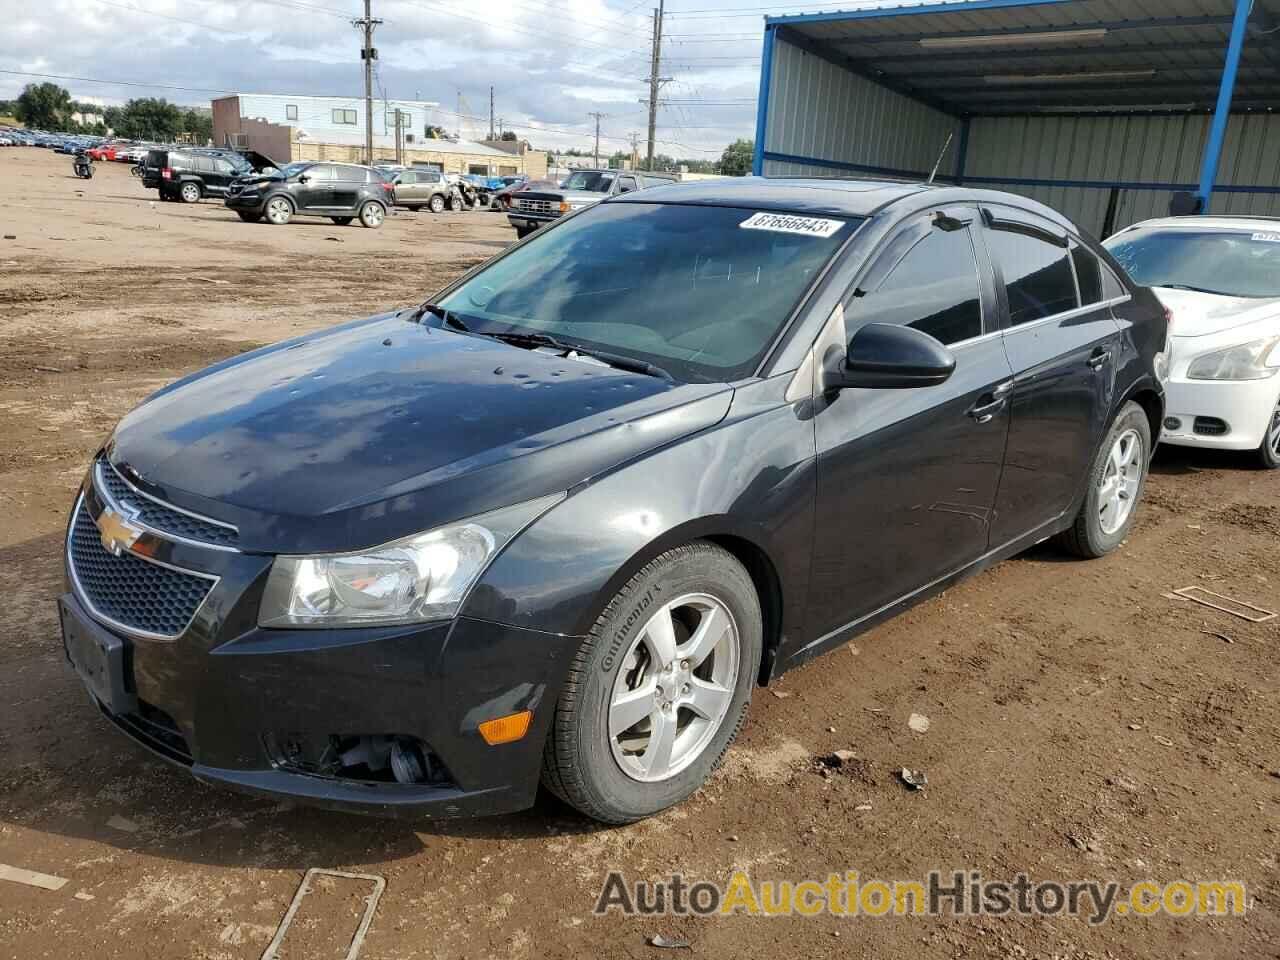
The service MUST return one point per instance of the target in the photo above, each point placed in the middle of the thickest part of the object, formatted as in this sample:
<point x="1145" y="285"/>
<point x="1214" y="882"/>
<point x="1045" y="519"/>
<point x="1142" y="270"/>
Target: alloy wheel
<point x="190" y="193"/>
<point x="1118" y="488"/>
<point x="279" y="211"/>
<point x="674" y="687"/>
<point x="371" y="215"/>
<point x="1273" y="438"/>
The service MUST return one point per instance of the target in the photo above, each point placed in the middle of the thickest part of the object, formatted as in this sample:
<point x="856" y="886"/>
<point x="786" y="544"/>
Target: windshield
<point x="589" y="182"/>
<point x="1231" y="263"/>
<point x="699" y="291"/>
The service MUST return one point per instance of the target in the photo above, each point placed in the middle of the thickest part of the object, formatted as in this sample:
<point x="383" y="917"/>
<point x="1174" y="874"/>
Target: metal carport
<point x="1103" y="109"/>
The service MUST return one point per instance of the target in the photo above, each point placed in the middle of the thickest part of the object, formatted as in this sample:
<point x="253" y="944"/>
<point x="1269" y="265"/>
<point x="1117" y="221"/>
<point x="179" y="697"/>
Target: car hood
<point x="1201" y="314"/>
<point x="385" y="427"/>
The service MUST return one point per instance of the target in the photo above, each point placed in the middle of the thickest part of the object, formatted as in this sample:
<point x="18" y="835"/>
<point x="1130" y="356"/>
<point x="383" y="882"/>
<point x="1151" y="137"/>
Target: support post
<point x="1222" y="113"/>
<point x="962" y="155"/>
<point x="762" y="100"/>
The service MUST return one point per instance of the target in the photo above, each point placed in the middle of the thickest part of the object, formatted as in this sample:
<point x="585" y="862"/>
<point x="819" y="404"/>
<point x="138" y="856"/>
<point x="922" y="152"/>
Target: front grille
<point x="537" y="206"/>
<point x="133" y="593"/>
<point x="159" y="517"/>
<point x="1211" y="427"/>
<point x="155" y="729"/>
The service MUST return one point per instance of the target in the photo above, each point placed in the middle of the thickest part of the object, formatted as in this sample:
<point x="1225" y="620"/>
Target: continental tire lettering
<point x="620" y="636"/>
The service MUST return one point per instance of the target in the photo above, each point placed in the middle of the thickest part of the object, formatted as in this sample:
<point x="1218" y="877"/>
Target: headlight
<point x="1249" y="361"/>
<point x="422" y="577"/>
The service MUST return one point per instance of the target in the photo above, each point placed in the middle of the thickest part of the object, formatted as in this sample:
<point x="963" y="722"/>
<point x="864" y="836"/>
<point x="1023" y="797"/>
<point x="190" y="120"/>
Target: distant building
<point x="288" y="128"/>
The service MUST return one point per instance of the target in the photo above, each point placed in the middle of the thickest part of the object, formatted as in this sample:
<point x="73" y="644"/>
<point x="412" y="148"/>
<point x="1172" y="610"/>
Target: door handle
<point x="985" y="412"/>
<point x="1099" y="359"/>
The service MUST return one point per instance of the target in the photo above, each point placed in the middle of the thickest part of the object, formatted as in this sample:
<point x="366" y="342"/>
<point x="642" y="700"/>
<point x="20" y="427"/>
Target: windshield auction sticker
<point x="786" y="223"/>
<point x="1267" y="237"/>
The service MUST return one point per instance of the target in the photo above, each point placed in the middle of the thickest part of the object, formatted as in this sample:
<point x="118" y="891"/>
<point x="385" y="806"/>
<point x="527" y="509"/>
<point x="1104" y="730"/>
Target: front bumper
<point x="1246" y="407"/>
<point x="520" y="219"/>
<point x="224" y="708"/>
<point x="252" y="202"/>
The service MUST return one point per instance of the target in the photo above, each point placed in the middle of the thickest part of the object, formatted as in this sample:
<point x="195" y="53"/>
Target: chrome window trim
<point x="83" y="596"/>
<point x="103" y="492"/>
<point x="1068" y="314"/>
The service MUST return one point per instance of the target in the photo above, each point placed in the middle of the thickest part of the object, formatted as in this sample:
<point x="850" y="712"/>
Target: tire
<point x="1104" y="521"/>
<point x="437" y="204"/>
<point x="522" y="232"/>
<point x="248" y="216"/>
<point x="372" y="214"/>
<point x="189" y="192"/>
<point x="342" y="221"/>
<point x="603" y="773"/>
<point x="1269" y="451"/>
<point x="278" y="211"/>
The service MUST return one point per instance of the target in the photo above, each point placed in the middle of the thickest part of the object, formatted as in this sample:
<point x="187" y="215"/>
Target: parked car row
<point x="531" y="209"/>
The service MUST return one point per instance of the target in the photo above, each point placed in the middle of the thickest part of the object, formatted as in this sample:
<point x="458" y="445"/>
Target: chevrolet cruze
<point x="556" y="524"/>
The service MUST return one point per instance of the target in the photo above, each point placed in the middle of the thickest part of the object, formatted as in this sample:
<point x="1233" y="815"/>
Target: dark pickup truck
<point x="530" y="209"/>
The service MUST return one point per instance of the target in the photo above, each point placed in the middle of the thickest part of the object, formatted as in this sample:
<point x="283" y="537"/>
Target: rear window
<point x="1235" y="263"/>
<point x="699" y="291"/>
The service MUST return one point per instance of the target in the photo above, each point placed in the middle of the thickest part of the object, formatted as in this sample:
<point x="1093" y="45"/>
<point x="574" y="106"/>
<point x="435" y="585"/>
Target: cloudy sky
<point x="550" y="62"/>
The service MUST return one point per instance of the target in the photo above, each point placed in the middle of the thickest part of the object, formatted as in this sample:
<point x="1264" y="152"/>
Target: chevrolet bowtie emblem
<point x="117" y="531"/>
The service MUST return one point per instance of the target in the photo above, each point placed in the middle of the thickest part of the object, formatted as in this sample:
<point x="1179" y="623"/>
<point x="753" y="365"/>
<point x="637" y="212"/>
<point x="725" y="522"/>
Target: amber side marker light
<point x="506" y="729"/>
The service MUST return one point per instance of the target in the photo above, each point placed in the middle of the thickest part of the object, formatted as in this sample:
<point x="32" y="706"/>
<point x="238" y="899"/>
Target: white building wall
<point x="315" y="121"/>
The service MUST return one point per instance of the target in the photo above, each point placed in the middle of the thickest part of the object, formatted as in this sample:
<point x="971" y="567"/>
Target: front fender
<point x="750" y="477"/>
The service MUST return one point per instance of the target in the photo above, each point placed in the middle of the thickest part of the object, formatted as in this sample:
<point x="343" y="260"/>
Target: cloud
<point x="550" y="64"/>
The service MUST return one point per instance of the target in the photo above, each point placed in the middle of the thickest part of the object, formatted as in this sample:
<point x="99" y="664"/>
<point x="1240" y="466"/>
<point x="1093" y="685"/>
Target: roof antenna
<point x="945" y="147"/>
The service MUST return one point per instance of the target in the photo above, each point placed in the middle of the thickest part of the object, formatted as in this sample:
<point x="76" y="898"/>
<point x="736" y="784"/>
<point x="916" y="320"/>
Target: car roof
<point x="828" y="195"/>
<point x="1207" y="223"/>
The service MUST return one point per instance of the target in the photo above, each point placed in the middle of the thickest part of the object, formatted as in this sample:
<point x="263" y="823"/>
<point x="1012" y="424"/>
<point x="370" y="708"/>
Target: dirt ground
<point x="1082" y="724"/>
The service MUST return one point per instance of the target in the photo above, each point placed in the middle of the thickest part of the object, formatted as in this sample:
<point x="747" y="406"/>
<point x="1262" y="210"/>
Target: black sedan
<point x="558" y="524"/>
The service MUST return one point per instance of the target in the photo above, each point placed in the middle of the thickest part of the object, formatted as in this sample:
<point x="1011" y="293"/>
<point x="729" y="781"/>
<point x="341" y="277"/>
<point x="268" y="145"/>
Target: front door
<point x="315" y="192"/>
<point x="1063" y="358"/>
<point x="907" y="478"/>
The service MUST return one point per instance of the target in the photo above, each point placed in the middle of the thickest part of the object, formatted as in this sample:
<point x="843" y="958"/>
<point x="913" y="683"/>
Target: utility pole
<point x="599" y="117"/>
<point x="368" y="53"/>
<point x="635" y="150"/>
<point x="399" y="136"/>
<point x="491" y="135"/>
<point x="655" y="81"/>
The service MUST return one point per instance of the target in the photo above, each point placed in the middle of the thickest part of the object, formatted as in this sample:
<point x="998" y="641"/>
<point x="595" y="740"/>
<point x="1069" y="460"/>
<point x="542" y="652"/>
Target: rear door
<point x="1063" y="357"/>
<point x="907" y="478"/>
<point x="347" y="184"/>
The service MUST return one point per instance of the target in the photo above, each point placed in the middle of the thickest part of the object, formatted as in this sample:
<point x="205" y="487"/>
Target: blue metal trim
<point x="1012" y="181"/>
<point x="962" y="155"/>
<point x="952" y="6"/>
<point x="1109" y="25"/>
<point x="762" y="101"/>
<point x="1218" y="133"/>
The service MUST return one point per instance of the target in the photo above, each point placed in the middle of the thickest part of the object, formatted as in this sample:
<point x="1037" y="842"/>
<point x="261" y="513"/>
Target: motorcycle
<point x="83" y="166"/>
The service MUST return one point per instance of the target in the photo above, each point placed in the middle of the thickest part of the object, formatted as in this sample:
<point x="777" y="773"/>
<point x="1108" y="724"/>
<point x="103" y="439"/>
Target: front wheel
<point x="1116" y="480"/>
<point x="659" y="689"/>
<point x="1269" y="452"/>
<point x="372" y="214"/>
<point x="522" y="232"/>
<point x="278" y="211"/>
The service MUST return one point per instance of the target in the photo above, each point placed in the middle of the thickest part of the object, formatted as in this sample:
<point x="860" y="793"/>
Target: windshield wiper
<point x="1189" y="288"/>
<point x="446" y="316"/>
<point x="618" y="360"/>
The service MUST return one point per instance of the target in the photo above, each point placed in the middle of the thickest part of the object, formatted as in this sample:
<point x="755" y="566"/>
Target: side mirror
<point x="304" y="178"/>
<point x="885" y="356"/>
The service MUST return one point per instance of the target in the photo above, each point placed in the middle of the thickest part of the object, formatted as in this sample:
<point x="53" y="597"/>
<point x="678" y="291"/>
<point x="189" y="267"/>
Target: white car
<point x="1219" y="278"/>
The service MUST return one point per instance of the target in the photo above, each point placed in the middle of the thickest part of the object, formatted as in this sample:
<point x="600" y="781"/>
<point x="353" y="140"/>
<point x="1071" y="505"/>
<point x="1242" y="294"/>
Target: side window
<point x="1088" y="274"/>
<point x="1112" y="288"/>
<point x="933" y="288"/>
<point x="627" y="184"/>
<point x="320" y="172"/>
<point x="408" y="176"/>
<point x="1037" y="275"/>
<point x="223" y="166"/>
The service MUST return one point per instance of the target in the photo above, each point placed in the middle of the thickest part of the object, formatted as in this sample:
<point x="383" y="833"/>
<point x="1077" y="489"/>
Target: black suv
<point x="191" y="175"/>
<point x="340" y="191"/>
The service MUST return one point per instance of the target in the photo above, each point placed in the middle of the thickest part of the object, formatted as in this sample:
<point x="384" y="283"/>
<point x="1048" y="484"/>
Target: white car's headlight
<point x="1249" y="361"/>
<point x="420" y="578"/>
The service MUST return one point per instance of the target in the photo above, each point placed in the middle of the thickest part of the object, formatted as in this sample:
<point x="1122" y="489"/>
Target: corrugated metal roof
<point x="990" y="57"/>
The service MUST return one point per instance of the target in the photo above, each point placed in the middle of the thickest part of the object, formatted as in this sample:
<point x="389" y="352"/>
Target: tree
<point x="509" y="135"/>
<point x="149" y="118"/>
<point x="737" y="158"/>
<point x="43" y="105"/>
<point x="198" y="125"/>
